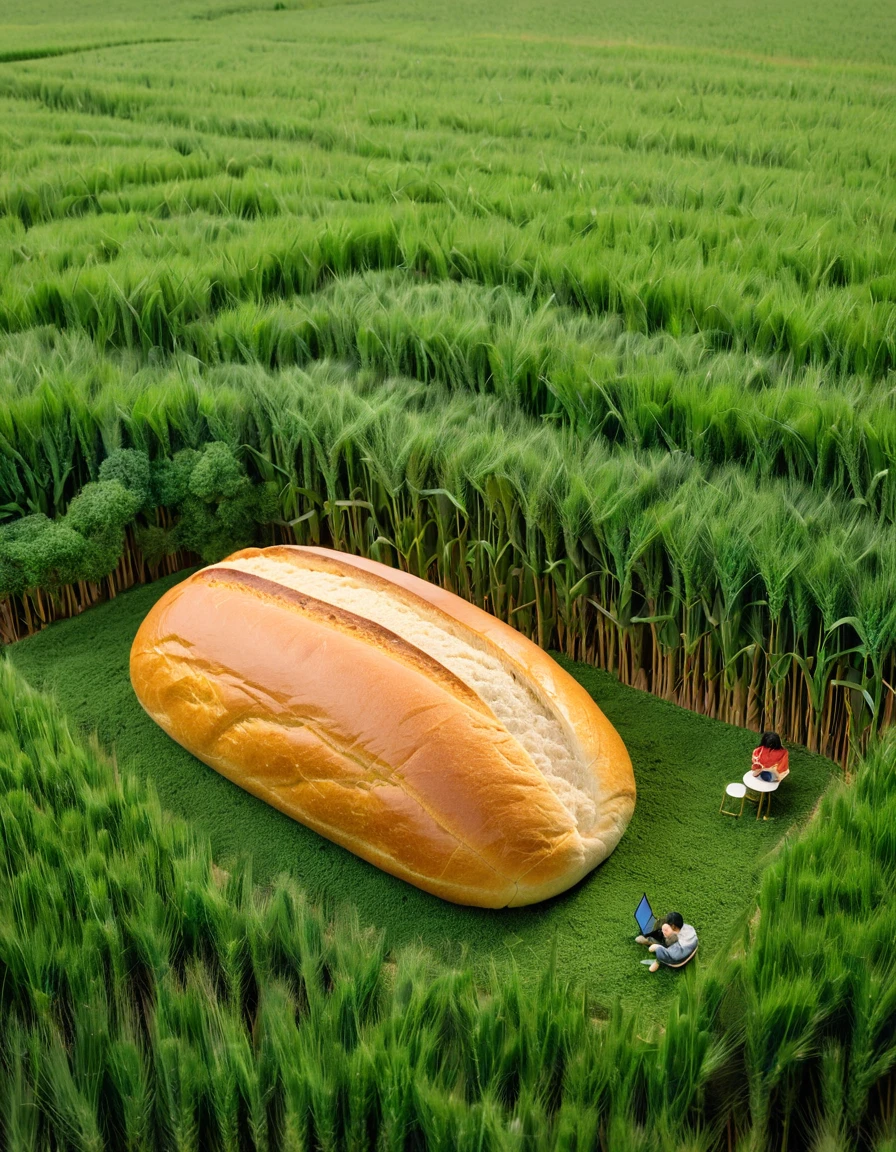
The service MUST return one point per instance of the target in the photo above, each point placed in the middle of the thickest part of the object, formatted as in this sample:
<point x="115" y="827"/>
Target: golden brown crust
<point x="602" y="747"/>
<point x="362" y="736"/>
<point x="347" y="623"/>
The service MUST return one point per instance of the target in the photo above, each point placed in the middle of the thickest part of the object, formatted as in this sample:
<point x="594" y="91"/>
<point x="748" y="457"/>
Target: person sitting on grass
<point x="770" y="759"/>
<point x="675" y="941"/>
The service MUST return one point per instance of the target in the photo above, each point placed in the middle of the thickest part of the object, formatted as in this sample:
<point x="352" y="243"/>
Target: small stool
<point x="736" y="792"/>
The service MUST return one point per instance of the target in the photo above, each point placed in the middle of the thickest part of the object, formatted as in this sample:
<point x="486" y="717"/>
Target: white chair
<point x="736" y="792"/>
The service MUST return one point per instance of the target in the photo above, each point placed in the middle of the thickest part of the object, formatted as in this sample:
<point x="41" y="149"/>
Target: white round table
<point x="764" y="788"/>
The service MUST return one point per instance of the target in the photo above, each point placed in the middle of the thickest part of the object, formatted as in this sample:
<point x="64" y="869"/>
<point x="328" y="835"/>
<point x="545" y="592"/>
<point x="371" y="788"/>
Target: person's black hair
<point x="675" y="920"/>
<point x="771" y="740"/>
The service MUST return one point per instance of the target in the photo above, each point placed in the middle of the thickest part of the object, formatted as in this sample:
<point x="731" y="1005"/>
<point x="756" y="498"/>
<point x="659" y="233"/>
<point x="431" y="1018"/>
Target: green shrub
<point x="171" y="477"/>
<point x="100" y="513"/>
<point x="131" y="469"/>
<point x="222" y="508"/>
<point x="217" y="475"/>
<point x="36" y="552"/>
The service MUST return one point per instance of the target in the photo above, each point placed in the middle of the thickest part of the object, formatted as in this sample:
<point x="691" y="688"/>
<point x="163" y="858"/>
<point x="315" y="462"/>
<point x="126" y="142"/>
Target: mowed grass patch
<point x="677" y="848"/>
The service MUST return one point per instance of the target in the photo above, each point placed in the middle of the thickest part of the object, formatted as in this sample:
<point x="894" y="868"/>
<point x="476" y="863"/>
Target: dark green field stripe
<point x="42" y="53"/>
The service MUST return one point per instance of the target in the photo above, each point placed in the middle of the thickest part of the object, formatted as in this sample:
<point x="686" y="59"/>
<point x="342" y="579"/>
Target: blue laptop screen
<point x="644" y="915"/>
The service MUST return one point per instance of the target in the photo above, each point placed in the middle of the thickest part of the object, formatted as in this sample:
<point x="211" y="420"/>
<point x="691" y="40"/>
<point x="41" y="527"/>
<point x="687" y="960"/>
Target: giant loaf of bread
<point x="390" y="716"/>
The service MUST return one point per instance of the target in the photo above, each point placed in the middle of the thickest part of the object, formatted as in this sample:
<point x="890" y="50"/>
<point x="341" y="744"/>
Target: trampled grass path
<point x="677" y="847"/>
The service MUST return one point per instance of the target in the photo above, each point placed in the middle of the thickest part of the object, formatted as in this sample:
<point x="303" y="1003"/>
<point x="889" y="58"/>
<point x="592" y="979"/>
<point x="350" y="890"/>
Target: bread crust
<point x="341" y="724"/>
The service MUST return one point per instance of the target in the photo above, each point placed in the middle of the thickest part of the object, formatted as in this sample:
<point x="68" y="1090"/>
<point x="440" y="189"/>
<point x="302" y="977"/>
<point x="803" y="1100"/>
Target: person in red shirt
<point x="770" y="760"/>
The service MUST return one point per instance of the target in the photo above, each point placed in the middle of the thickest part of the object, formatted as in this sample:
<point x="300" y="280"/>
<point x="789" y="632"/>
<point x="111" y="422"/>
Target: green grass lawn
<point x="677" y="848"/>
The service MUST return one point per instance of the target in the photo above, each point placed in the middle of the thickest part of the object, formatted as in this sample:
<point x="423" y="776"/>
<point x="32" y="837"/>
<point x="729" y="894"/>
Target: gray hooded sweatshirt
<point x="680" y="948"/>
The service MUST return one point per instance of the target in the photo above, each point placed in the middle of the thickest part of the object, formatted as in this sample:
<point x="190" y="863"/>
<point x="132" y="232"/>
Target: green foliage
<point x="221" y="508"/>
<point x="154" y="542"/>
<point x="102" y="509"/>
<point x="584" y="935"/>
<point x="151" y="999"/>
<point x="39" y="553"/>
<point x="132" y="470"/>
<point x="99" y="514"/>
<point x="216" y="507"/>
<point x="216" y="475"/>
<point x="171" y="477"/>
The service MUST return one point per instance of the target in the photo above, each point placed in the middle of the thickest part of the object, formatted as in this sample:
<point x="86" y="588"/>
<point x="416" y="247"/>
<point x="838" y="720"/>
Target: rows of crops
<point x="659" y="286"/>
<point x="590" y="373"/>
<point x="150" y="1000"/>
<point x="587" y="312"/>
<point x="750" y="598"/>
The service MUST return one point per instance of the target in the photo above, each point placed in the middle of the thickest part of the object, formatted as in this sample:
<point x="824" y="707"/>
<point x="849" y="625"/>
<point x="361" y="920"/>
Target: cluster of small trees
<point x="210" y="508"/>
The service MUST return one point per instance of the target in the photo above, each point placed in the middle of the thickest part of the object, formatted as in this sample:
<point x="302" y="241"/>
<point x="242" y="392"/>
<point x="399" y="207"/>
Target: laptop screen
<point x="644" y="915"/>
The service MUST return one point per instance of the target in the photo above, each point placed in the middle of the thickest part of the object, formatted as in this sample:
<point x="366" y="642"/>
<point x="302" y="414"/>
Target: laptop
<point x="645" y="917"/>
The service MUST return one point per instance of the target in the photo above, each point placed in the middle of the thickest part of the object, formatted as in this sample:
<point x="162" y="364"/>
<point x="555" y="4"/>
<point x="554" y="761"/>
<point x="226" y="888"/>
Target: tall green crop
<point x="669" y="239"/>
<point x="586" y="312"/>
<point x="680" y="247"/>
<point x="730" y="595"/>
<point x="150" y="1000"/>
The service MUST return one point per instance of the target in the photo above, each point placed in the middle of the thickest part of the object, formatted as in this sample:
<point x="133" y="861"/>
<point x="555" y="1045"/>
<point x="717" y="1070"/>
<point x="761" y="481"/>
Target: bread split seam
<point x="373" y="736"/>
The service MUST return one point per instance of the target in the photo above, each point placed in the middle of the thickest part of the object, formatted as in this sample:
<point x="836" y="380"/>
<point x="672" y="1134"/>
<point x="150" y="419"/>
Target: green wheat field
<point x="586" y="312"/>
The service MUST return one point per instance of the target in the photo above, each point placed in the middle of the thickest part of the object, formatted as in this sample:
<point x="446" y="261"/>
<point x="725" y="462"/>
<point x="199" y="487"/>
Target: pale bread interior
<point x="528" y="718"/>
